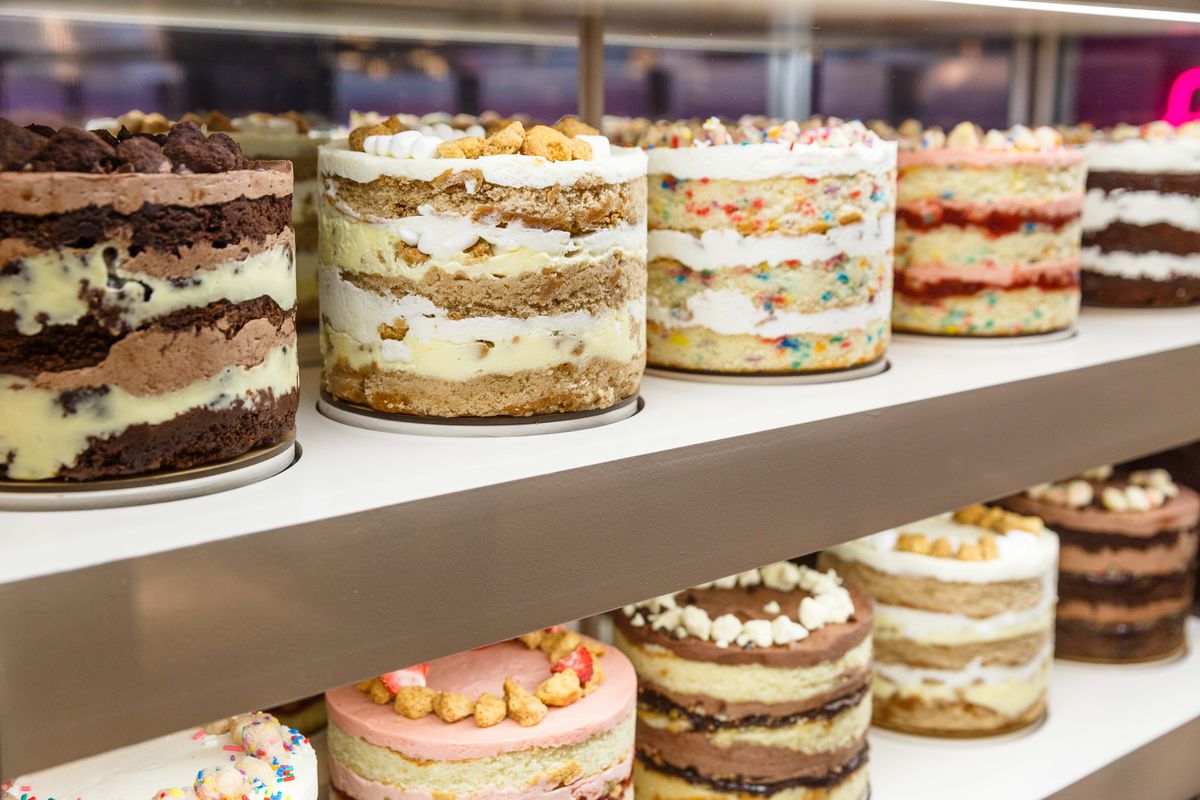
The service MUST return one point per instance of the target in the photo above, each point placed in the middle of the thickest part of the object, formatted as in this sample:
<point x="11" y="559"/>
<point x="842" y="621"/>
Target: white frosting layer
<point x="1022" y="555"/>
<point x="974" y="673"/>
<point x="1101" y="209"/>
<point x="534" y="172"/>
<point x="39" y="437"/>
<point x="1178" y="155"/>
<point x="138" y="771"/>
<point x="1155" y="266"/>
<point x="729" y="312"/>
<point x="47" y="291"/>
<point x="753" y="162"/>
<point x="715" y="249"/>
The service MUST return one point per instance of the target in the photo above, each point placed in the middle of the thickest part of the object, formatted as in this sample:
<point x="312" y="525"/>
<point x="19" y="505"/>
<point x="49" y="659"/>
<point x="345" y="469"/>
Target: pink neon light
<point x="1183" y="93"/>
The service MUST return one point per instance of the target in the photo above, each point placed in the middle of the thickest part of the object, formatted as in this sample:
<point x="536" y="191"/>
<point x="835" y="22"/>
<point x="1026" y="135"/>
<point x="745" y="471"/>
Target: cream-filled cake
<point x="756" y="685"/>
<point x="964" y="620"/>
<point x="477" y="277"/>
<point x="251" y="757"/>
<point x="770" y="246"/>
<point x="987" y="232"/>
<point x="1128" y="565"/>
<point x="551" y="715"/>
<point x="1141" y="216"/>
<point x="147" y="302"/>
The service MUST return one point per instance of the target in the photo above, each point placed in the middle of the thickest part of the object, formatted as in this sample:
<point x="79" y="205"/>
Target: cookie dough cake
<point x="756" y="685"/>
<point x="987" y="232"/>
<point x="478" y="277"/>
<point x="1141" y="217"/>
<point x="147" y="302"/>
<point x="964" y="620"/>
<point x="251" y="757"/>
<point x="770" y="246"/>
<point x="1128" y="563"/>
<point x="549" y="716"/>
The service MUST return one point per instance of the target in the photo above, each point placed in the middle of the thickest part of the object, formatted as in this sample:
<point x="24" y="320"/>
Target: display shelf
<point x="376" y="550"/>
<point x="1112" y="731"/>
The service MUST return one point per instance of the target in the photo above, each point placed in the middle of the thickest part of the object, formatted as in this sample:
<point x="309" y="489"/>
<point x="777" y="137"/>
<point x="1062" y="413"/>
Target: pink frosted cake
<point x="550" y="716"/>
<point x="987" y="232"/>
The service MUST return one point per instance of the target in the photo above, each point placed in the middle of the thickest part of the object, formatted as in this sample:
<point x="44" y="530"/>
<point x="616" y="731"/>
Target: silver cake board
<point x="938" y="339"/>
<point x="772" y="378"/>
<point x="157" y="487"/>
<point x="490" y="427"/>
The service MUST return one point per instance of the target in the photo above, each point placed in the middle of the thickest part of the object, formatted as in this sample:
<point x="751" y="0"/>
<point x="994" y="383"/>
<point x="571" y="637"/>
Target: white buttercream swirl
<point x="1101" y="209"/>
<point x="715" y="249"/>
<point x="752" y="162"/>
<point x="1154" y="266"/>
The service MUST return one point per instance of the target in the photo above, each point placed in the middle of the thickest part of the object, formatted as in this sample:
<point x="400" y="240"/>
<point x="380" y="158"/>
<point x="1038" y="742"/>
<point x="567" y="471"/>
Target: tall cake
<point x="964" y="620"/>
<point x="987" y="232"/>
<point x="477" y="277"/>
<point x="251" y="757"/>
<point x="755" y="685"/>
<point x="147" y="302"/>
<point x="1128" y="563"/>
<point x="549" y="716"/>
<point x="770" y="246"/>
<point x="1141" y="217"/>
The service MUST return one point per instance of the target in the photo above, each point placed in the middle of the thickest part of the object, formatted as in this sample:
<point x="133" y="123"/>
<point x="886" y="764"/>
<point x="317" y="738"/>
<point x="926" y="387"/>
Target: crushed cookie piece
<point x="988" y="547"/>
<point x="396" y="331"/>
<point x="414" y="702"/>
<point x="532" y="639"/>
<point x="489" y="710"/>
<point x="506" y="141"/>
<point x="970" y="551"/>
<point x="549" y="144"/>
<point x="523" y="707"/>
<point x="597" y="679"/>
<point x="388" y="127"/>
<point x="913" y="543"/>
<point x="377" y="691"/>
<point x="452" y="706"/>
<point x="942" y="548"/>
<point x="560" y="689"/>
<point x="466" y="147"/>
<point x="558" y="644"/>
<point x="573" y="126"/>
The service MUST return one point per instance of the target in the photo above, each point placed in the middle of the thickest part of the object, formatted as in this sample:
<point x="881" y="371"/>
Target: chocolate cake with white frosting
<point x="147" y="302"/>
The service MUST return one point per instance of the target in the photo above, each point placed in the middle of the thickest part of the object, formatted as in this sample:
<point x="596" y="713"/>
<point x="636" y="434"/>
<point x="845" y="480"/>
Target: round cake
<point x="478" y="277"/>
<point x="550" y="716"/>
<point x="1141" y="217"/>
<point x="770" y="246"/>
<point x="251" y="757"/>
<point x="1128" y="565"/>
<point x="987" y="232"/>
<point x="964" y="620"/>
<point x="756" y="685"/>
<point x="147" y="302"/>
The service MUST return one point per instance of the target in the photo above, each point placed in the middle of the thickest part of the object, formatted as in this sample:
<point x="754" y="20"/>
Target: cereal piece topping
<point x="415" y="702"/>
<point x="489" y="710"/>
<point x="452" y="706"/>
<point x="523" y="707"/>
<point x="942" y="548"/>
<point x="506" y="141"/>
<point x="572" y="126"/>
<point x="560" y="689"/>
<point x="913" y="543"/>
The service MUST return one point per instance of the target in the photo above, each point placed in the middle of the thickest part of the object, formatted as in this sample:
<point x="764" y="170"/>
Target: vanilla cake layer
<point x="502" y="285"/>
<point x="990" y="312"/>
<point x="654" y="784"/>
<point x="962" y="647"/>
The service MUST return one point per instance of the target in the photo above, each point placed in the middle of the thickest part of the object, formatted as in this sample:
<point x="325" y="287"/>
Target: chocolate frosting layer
<point x="1126" y="590"/>
<point x="826" y="644"/>
<point x="1095" y="542"/>
<point x="1161" y="237"/>
<point x="738" y="784"/>
<point x="1178" y="513"/>
<point x="750" y="763"/>
<point x="770" y="715"/>
<point x="1164" y="182"/>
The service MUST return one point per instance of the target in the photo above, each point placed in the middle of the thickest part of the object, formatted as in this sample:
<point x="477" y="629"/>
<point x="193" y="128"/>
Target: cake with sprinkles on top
<point x="964" y="620"/>
<point x="770" y="245"/>
<point x="1128" y="563"/>
<point x="147" y="302"/>
<point x="251" y="757"/>
<point x="549" y="715"/>
<point x="755" y="685"/>
<point x="987" y="231"/>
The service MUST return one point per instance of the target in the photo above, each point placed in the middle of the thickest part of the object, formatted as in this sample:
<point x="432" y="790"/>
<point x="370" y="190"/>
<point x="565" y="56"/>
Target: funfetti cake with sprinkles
<point x="987" y="232"/>
<point x="251" y="757"/>
<point x="755" y="685"/>
<point x="770" y="245"/>
<point x="548" y="716"/>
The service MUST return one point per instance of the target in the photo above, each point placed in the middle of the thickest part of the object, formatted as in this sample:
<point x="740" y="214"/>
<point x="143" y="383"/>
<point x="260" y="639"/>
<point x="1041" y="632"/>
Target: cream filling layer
<point x="532" y="172"/>
<point x="730" y="313"/>
<point x="40" y="436"/>
<point x="370" y="246"/>
<point x="1005" y="690"/>
<point x="742" y="683"/>
<point x="1176" y="155"/>
<point x="50" y="288"/>
<point x="1155" y="266"/>
<point x="1101" y="209"/>
<point x="950" y="628"/>
<point x="715" y="249"/>
<point x="460" y="349"/>
<point x="529" y="773"/>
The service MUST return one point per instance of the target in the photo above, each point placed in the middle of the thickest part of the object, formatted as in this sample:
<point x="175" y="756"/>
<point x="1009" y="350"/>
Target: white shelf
<point x="1103" y="721"/>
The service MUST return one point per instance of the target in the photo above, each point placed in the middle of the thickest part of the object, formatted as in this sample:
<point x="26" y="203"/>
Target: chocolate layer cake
<point x="147" y="302"/>
<point x="473" y="277"/>
<point x="987" y="232"/>
<point x="755" y="685"/>
<point x="964" y="620"/>
<point x="1127" y="568"/>
<point x="1141" y="217"/>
